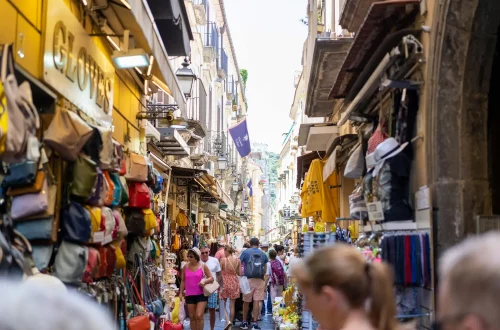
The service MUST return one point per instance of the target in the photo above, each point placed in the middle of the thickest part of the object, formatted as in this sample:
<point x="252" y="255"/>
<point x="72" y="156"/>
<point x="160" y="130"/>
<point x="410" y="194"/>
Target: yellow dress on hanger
<point x="312" y="190"/>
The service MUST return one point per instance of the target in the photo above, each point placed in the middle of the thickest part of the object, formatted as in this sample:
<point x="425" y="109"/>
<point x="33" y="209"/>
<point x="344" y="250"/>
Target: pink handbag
<point x="30" y="204"/>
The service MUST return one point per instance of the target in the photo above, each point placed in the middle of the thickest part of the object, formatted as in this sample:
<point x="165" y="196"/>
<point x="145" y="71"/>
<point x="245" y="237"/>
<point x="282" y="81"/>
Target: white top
<point x="214" y="266"/>
<point x="292" y="261"/>
<point x="269" y="266"/>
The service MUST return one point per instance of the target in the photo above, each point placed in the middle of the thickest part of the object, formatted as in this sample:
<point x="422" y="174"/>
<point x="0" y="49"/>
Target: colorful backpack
<point x="278" y="276"/>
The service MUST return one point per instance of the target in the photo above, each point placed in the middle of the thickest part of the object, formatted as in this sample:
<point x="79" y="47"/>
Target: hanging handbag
<point x="21" y="174"/>
<point x="19" y="117"/>
<point x="149" y="219"/>
<point x="118" y="163"/>
<point x="140" y="322"/>
<point x="30" y="204"/>
<point x="76" y="226"/>
<point x="36" y="230"/>
<point x="117" y="192"/>
<point x="107" y="151"/>
<point x="42" y="255"/>
<point x="122" y="227"/>
<point x="84" y="178"/>
<point x="121" y="263"/>
<point x="71" y="262"/>
<point x="98" y="189"/>
<point x="109" y="225"/>
<point x="67" y="134"/>
<point x="124" y="189"/>
<point x="355" y="166"/>
<point x="151" y="177"/>
<point x="93" y="146"/>
<point x="134" y="220"/>
<point x="35" y="187"/>
<point x="108" y="201"/>
<point x="95" y="220"/>
<point x="137" y="168"/>
<point x="93" y="264"/>
<point x="139" y="195"/>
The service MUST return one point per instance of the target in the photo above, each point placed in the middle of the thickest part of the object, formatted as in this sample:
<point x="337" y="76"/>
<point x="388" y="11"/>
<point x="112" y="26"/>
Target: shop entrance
<point x="463" y="117"/>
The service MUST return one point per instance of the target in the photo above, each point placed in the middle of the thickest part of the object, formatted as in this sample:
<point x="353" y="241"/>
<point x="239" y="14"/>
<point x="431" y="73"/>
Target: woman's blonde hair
<point x="342" y="267"/>
<point x="229" y="249"/>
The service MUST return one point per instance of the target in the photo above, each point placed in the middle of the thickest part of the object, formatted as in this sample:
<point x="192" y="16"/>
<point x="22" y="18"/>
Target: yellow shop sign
<point x="75" y="66"/>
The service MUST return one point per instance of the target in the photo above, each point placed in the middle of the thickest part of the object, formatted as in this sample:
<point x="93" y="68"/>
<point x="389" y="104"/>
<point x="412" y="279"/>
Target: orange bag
<point x="108" y="200"/>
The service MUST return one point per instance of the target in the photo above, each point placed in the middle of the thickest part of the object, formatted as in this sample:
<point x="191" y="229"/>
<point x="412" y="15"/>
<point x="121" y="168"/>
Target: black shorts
<point x="193" y="300"/>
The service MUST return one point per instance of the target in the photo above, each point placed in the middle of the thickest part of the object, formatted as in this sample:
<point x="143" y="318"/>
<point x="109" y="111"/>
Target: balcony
<point x="231" y="86"/>
<point x="211" y="43"/>
<point x="353" y="13"/>
<point x="222" y="64"/>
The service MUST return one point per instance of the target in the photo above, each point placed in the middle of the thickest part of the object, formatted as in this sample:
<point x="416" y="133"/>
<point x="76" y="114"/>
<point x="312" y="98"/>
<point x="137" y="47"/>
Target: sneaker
<point x="255" y="326"/>
<point x="244" y="325"/>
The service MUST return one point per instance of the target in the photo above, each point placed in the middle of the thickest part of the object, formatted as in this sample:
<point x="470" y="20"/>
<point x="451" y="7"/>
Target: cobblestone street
<point x="265" y="324"/>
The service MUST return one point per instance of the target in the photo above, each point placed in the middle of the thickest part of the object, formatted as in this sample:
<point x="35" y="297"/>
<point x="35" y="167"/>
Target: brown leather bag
<point x="137" y="168"/>
<point x="67" y="134"/>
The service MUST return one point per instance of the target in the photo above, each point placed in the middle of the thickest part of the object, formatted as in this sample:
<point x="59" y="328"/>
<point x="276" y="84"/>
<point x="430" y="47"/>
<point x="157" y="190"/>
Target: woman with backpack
<point x="230" y="270"/>
<point x="277" y="275"/>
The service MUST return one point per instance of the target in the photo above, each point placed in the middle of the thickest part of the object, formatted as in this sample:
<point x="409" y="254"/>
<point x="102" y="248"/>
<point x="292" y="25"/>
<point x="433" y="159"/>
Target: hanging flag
<point x="249" y="185"/>
<point x="239" y="133"/>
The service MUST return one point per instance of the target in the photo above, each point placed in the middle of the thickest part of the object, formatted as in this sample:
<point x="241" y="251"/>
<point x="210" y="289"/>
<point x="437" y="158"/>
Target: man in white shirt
<point x="214" y="266"/>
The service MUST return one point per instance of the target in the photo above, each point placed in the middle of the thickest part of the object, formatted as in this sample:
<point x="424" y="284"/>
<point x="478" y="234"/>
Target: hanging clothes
<point x="182" y="219"/>
<point x="330" y="199"/>
<point x="313" y="189"/>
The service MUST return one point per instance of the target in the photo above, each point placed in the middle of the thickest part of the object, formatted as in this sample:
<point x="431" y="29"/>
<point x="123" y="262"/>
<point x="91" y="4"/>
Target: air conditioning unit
<point x="152" y="134"/>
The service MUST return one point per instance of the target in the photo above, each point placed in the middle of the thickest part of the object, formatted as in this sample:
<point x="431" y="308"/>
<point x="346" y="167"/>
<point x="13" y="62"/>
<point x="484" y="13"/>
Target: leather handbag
<point x="93" y="146"/>
<point x="356" y="164"/>
<point x="108" y="261"/>
<point x="36" y="230"/>
<point x="121" y="263"/>
<point x="158" y="186"/>
<point x="30" y="204"/>
<point x="117" y="193"/>
<point x="93" y="264"/>
<point x="67" y="134"/>
<point x="21" y="174"/>
<point x="135" y="222"/>
<point x="95" y="220"/>
<point x="149" y="219"/>
<point x="19" y="117"/>
<point x="42" y="255"/>
<point x="76" y="226"/>
<point x="209" y="288"/>
<point x="51" y="207"/>
<point x="108" y="225"/>
<point x="71" y="262"/>
<point x="84" y="178"/>
<point x="107" y="151"/>
<point x="124" y="188"/>
<point x="118" y="163"/>
<point x="139" y="195"/>
<point x="140" y="322"/>
<point x="108" y="200"/>
<point x="151" y="180"/>
<point x="97" y="190"/>
<point x="122" y="227"/>
<point x="35" y="187"/>
<point x="137" y="168"/>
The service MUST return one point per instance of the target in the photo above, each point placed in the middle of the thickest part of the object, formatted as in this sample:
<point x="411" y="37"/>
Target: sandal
<point x="228" y="326"/>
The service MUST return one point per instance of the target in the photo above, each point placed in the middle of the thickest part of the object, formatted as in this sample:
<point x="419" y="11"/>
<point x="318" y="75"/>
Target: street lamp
<point x="222" y="163"/>
<point x="186" y="78"/>
<point x="236" y="185"/>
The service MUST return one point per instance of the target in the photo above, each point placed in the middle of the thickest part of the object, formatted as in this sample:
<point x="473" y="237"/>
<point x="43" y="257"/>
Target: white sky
<point x="268" y="37"/>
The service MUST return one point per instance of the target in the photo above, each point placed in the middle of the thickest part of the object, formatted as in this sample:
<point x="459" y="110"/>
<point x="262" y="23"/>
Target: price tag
<point x="98" y="237"/>
<point x="375" y="212"/>
<point x="107" y="239"/>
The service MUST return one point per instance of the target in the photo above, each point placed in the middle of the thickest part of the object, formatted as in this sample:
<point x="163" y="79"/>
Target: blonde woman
<point x="343" y="291"/>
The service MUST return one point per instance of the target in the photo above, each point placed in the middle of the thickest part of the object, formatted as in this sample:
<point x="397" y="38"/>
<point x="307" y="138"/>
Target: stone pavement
<point x="265" y="324"/>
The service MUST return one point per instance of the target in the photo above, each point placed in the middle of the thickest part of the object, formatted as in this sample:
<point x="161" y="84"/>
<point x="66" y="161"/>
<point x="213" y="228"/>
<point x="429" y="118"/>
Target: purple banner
<point x="239" y="133"/>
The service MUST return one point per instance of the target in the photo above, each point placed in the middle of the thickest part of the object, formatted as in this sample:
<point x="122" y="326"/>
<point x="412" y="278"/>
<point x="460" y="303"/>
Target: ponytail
<point x="382" y="309"/>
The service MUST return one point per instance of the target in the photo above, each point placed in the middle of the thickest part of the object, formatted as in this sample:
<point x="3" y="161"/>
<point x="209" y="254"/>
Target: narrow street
<point x="265" y="324"/>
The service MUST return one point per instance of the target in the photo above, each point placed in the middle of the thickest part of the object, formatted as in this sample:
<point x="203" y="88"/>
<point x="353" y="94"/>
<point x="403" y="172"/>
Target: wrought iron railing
<point x="212" y="38"/>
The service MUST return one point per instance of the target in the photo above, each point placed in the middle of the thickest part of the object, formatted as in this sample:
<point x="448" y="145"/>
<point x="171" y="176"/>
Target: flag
<point x="249" y="185"/>
<point x="239" y="133"/>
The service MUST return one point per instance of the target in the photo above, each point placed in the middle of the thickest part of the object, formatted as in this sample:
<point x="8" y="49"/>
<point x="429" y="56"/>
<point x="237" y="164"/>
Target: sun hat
<point x="196" y="250"/>
<point x="385" y="150"/>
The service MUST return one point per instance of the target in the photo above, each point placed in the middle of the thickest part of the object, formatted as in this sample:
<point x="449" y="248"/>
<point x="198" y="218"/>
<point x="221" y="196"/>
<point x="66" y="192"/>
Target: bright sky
<point x="268" y="37"/>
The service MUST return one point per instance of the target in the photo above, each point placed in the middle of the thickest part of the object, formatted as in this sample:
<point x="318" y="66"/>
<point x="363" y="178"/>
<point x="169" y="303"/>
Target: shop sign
<point x="74" y="65"/>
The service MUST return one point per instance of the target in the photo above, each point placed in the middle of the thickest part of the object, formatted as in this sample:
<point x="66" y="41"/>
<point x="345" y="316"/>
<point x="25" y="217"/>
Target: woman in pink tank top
<point x="194" y="276"/>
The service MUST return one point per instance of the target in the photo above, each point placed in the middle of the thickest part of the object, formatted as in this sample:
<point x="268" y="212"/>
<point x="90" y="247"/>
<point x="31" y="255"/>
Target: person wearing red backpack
<point x="277" y="275"/>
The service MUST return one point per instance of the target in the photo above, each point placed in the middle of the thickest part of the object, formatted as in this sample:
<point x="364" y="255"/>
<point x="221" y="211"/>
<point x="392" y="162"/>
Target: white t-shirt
<point x="269" y="266"/>
<point x="214" y="266"/>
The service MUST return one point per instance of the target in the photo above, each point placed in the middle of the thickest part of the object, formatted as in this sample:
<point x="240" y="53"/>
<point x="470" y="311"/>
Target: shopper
<point x="267" y="294"/>
<point x="343" y="291"/>
<point x="194" y="276"/>
<point x="469" y="290"/>
<point x="214" y="267"/>
<point x="231" y="269"/>
<point x="280" y="250"/>
<point x="294" y="258"/>
<point x="254" y="262"/>
<point x="220" y="252"/>
<point x="277" y="276"/>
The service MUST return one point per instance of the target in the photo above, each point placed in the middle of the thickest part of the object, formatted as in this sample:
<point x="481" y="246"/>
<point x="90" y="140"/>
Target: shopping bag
<point x="244" y="285"/>
<point x="182" y="312"/>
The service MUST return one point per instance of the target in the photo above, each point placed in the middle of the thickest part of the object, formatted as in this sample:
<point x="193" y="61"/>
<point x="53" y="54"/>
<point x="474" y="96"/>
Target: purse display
<point x="137" y="168"/>
<point x="36" y="230"/>
<point x="76" y="225"/>
<point x="110" y="196"/>
<point x="107" y="150"/>
<point x="136" y="225"/>
<point x="84" y="178"/>
<point x="21" y="174"/>
<point x="67" y="134"/>
<point x="70" y="262"/>
<point x="35" y="187"/>
<point x="30" y="204"/>
<point x="139" y="195"/>
<point x="98" y="189"/>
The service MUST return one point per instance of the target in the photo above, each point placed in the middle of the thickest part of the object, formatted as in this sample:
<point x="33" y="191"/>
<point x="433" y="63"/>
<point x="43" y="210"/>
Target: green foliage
<point x="244" y="76"/>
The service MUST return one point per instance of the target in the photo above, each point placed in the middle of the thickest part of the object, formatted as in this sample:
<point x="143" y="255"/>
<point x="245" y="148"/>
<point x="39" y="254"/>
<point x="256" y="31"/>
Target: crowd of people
<point x="265" y="268"/>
